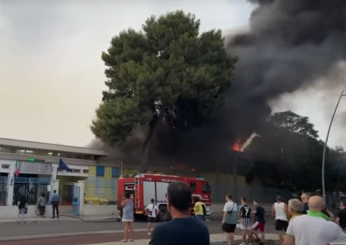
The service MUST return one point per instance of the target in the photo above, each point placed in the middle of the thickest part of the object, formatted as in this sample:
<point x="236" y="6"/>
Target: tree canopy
<point x="296" y="155"/>
<point x="169" y="74"/>
<point x="291" y="122"/>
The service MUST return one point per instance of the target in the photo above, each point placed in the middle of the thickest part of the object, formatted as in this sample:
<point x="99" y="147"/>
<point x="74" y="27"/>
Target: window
<point x="193" y="187"/>
<point x="115" y="172"/>
<point x="100" y="171"/>
<point x="5" y="149"/>
<point x="25" y="151"/>
<point x="85" y="171"/>
<point x="205" y="187"/>
<point x="87" y="157"/>
<point x="99" y="185"/>
<point x="78" y="156"/>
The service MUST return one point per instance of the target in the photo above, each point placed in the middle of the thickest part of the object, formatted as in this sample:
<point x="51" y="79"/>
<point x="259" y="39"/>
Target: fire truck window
<point x="205" y="188"/>
<point x="193" y="187"/>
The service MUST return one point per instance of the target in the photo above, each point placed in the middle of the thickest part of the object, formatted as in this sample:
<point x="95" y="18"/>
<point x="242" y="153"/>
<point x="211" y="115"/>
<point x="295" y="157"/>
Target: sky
<point x="52" y="74"/>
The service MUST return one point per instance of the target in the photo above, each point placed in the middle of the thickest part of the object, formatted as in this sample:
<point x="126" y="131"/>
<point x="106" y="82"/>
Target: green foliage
<point x="169" y="61"/>
<point x="295" y="154"/>
<point x="291" y="122"/>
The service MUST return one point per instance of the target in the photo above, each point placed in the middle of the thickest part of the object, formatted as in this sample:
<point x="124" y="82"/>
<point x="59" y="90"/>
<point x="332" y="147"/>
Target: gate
<point x="75" y="200"/>
<point x="3" y="190"/>
<point x="32" y="188"/>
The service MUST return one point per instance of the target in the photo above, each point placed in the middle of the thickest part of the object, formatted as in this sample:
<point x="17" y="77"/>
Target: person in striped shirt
<point x="244" y="216"/>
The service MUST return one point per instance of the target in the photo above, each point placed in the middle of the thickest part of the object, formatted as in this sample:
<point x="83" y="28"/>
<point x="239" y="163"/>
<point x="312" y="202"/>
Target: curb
<point x="107" y="220"/>
<point x="74" y="234"/>
<point x="71" y="218"/>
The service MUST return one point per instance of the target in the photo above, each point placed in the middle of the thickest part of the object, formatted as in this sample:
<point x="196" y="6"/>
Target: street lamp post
<point x="325" y="145"/>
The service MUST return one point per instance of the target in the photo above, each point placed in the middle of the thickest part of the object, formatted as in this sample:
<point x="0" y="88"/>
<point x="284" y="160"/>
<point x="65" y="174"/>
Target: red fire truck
<point x="144" y="187"/>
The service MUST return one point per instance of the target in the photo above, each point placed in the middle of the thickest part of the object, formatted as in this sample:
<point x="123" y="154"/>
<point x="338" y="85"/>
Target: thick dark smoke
<point x="289" y="44"/>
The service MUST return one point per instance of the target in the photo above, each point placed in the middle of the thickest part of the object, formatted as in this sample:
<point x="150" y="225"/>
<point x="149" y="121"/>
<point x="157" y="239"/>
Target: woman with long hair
<point x="127" y="219"/>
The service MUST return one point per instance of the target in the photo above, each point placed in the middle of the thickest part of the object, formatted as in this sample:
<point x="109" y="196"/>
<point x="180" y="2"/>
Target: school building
<point x="87" y="181"/>
<point x="35" y="168"/>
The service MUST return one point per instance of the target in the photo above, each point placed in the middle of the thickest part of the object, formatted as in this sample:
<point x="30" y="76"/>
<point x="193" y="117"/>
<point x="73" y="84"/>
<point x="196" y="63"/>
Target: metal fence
<point x="262" y="194"/>
<point x="100" y="191"/>
<point x="3" y="190"/>
<point x="32" y="188"/>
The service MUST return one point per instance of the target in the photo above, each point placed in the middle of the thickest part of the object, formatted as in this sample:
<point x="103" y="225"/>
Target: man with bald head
<point x="314" y="228"/>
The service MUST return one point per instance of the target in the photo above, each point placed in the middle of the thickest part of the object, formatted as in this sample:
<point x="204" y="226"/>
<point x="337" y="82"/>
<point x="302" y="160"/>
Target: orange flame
<point x="240" y="147"/>
<point x="236" y="146"/>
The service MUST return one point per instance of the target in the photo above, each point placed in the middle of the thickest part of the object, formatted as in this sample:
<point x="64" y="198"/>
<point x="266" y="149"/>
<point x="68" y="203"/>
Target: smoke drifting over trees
<point x="289" y="45"/>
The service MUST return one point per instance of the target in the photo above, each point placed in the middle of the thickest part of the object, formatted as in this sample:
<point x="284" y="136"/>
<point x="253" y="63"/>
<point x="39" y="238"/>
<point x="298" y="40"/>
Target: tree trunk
<point x="143" y="166"/>
<point x="148" y="143"/>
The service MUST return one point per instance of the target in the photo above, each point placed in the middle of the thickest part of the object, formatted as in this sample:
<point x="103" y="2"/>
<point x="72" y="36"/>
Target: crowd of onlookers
<point x="182" y="229"/>
<point x="301" y="221"/>
<point x="312" y="223"/>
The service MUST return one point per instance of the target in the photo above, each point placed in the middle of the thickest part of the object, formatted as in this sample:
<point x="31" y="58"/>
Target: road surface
<point x="58" y="232"/>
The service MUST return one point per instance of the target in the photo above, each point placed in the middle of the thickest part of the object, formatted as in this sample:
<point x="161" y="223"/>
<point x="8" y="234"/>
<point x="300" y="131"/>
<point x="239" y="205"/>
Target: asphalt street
<point x="54" y="227"/>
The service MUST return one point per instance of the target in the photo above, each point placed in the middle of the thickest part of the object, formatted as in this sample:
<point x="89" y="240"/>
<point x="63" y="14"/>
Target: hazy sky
<point x="52" y="74"/>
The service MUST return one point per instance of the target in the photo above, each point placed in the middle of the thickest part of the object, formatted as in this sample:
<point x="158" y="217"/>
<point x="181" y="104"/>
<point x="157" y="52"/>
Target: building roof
<point x="24" y="144"/>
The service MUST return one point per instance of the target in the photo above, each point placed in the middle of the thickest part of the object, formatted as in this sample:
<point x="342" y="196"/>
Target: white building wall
<point x="11" y="212"/>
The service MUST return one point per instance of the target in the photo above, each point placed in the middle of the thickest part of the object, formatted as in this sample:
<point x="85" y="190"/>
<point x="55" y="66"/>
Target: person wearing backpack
<point x="152" y="211"/>
<point x="229" y="219"/>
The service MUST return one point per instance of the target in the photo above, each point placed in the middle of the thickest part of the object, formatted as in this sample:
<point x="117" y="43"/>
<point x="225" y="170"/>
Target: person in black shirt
<point x="182" y="229"/>
<point x="341" y="215"/>
<point x="260" y="222"/>
<point x="305" y="199"/>
<point x="22" y="206"/>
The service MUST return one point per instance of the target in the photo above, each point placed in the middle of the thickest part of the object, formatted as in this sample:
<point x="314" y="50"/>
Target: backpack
<point x="231" y="217"/>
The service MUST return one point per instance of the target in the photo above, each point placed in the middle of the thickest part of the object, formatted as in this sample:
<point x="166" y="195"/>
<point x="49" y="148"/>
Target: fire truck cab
<point x="144" y="187"/>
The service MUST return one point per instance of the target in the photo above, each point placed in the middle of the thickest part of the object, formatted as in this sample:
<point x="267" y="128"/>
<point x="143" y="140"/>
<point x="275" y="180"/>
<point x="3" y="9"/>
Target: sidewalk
<point x="214" y="239"/>
<point x="63" y="218"/>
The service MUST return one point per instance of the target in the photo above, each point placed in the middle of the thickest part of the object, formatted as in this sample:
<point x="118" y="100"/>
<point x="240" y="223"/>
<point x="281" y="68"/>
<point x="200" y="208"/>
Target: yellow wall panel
<point x="100" y="187"/>
<point x="108" y="173"/>
<point x="89" y="187"/>
<point x="92" y="170"/>
<point x="107" y="191"/>
<point x="128" y="171"/>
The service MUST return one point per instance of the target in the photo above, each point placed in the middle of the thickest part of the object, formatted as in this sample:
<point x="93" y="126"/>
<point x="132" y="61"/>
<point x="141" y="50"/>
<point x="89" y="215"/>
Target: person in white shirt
<point x="229" y="219"/>
<point x="279" y="212"/>
<point x="152" y="211"/>
<point x="313" y="228"/>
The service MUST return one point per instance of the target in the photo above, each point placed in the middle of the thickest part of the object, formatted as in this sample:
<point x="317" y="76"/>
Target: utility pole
<point x="325" y="146"/>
